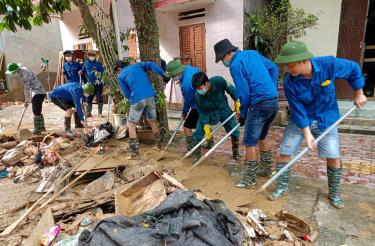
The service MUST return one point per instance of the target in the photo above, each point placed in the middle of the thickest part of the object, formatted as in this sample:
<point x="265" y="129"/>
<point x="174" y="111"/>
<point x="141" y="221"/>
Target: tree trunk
<point x="88" y="19"/>
<point x="148" y="40"/>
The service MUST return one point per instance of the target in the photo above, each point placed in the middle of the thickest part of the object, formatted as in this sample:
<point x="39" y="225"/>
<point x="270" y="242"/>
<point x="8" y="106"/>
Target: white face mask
<point x="91" y="58"/>
<point x="69" y="58"/>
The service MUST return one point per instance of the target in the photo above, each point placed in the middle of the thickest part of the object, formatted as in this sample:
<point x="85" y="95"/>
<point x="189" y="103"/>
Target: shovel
<point x="162" y="154"/>
<point x="296" y="158"/>
<point x="23" y="113"/>
<point x="204" y="139"/>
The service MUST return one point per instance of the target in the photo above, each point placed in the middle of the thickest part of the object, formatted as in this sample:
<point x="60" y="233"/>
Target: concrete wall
<point x="27" y="47"/>
<point x="323" y="39"/>
<point x="125" y="18"/>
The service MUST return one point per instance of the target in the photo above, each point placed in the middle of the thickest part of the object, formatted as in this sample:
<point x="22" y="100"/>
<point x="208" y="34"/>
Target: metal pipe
<point x="304" y="151"/>
<point x="204" y="139"/>
<point x="213" y="148"/>
<point x="174" y="134"/>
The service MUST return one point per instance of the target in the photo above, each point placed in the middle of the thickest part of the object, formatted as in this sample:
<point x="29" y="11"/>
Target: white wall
<point x="324" y="38"/>
<point x="125" y="18"/>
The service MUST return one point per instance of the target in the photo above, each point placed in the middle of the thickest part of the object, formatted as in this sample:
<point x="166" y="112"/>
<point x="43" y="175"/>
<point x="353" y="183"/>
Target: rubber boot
<point x="38" y="122"/>
<point x="250" y="169"/>
<point x="77" y="121"/>
<point x="67" y="124"/>
<point x="43" y="126"/>
<point x="197" y="153"/>
<point x="334" y="177"/>
<point x="133" y="151"/>
<point x="209" y="144"/>
<point x="100" y="110"/>
<point x="235" y="147"/>
<point x="189" y="142"/>
<point x="265" y="163"/>
<point x="88" y="110"/>
<point x="158" y="141"/>
<point x="282" y="185"/>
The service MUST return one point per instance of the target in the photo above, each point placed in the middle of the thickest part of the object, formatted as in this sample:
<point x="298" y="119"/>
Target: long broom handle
<point x="204" y="139"/>
<point x="174" y="134"/>
<point x="304" y="151"/>
<point x="213" y="148"/>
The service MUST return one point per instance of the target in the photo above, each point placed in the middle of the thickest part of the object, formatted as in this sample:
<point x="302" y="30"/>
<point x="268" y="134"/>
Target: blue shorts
<point x="258" y="121"/>
<point x="146" y="105"/>
<point x="329" y="146"/>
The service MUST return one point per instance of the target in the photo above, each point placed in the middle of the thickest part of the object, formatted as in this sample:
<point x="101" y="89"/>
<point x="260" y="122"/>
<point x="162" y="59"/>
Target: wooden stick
<point x="12" y="226"/>
<point x="68" y="186"/>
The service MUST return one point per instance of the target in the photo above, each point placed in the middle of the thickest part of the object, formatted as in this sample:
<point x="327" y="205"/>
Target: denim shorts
<point x="258" y="121"/>
<point x="329" y="146"/>
<point x="146" y="105"/>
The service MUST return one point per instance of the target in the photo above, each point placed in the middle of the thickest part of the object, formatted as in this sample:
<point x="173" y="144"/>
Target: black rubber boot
<point x="67" y="124"/>
<point x="77" y="121"/>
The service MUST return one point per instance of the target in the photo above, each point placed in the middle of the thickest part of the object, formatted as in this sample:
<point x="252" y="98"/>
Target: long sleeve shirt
<point x="91" y="70"/>
<point x="134" y="82"/>
<point x="187" y="90"/>
<point x="210" y="104"/>
<point x="255" y="78"/>
<point x="72" y="92"/>
<point x="32" y="85"/>
<point x="71" y="70"/>
<point x="315" y="98"/>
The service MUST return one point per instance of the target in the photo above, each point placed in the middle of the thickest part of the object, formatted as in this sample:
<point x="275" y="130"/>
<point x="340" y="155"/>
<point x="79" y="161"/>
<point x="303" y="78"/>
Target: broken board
<point x="145" y="194"/>
<point x="106" y="164"/>
<point x="44" y="224"/>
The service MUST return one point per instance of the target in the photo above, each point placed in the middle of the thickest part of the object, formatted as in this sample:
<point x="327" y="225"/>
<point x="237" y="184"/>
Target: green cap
<point x="293" y="51"/>
<point x="12" y="67"/>
<point x="88" y="88"/>
<point x="175" y="68"/>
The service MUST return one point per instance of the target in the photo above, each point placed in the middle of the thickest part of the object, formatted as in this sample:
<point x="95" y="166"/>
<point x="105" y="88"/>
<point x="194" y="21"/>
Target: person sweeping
<point x="184" y="73"/>
<point x="34" y="93"/>
<point x="310" y="91"/>
<point x="212" y="105"/>
<point x="68" y="97"/>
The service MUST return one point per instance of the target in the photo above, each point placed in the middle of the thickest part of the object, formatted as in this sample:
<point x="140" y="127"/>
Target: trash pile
<point x="99" y="134"/>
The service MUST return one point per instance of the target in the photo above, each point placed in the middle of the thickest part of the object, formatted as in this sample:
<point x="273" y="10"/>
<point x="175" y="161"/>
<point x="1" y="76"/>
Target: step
<point x="359" y="121"/>
<point x="357" y="129"/>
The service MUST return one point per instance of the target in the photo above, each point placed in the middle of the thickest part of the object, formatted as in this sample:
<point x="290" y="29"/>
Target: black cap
<point x="67" y="52"/>
<point x="222" y="48"/>
<point x="199" y="79"/>
<point x="118" y="64"/>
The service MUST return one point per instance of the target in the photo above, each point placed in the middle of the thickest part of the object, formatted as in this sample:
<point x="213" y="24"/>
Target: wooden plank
<point x="106" y="163"/>
<point x="45" y="222"/>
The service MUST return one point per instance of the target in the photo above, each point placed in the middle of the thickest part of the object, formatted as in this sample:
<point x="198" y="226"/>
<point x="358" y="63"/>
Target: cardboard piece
<point x="106" y="164"/>
<point x="45" y="222"/>
<point x="145" y="194"/>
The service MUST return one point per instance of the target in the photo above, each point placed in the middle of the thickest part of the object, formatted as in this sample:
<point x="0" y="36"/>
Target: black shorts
<point x="192" y="119"/>
<point x="64" y="104"/>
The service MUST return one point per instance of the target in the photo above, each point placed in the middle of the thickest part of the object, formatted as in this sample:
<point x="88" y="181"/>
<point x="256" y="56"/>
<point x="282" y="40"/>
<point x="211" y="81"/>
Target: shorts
<point x="146" y="105"/>
<point x="192" y="119"/>
<point x="258" y="121"/>
<point x="64" y="104"/>
<point x="329" y="146"/>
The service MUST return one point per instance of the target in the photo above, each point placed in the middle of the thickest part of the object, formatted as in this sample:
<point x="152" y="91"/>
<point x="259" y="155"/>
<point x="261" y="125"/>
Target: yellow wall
<point x="323" y="39"/>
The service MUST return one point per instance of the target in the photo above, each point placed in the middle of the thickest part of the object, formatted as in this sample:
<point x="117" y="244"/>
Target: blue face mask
<point x="226" y="63"/>
<point x="202" y="91"/>
<point x="176" y="78"/>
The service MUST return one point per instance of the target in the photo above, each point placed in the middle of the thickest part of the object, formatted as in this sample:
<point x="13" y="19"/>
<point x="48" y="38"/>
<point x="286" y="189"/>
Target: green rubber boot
<point x="100" y="110"/>
<point x="334" y="177"/>
<point x="209" y="144"/>
<point x="77" y="121"/>
<point x="133" y="151"/>
<point x="250" y="169"/>
<point x="88" y="110"/>
<point x="38" y="122"/>
<point x="43" y="126"/>
<point x="158" y="141"/>
<point x="282" y="185"/>
<point x="67" y="124"/>
<point x="197" y="153"/>
<point x="235" y="147"/>
<point x="189" y="142"/>
<point x="265" y="163"/>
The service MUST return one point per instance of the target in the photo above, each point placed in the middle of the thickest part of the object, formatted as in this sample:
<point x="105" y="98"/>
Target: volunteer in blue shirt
<point x="69" y="96"/>
<point x="93" y="70"/>
<point x="72" y="69"/>
<point x="255" y="78"/>
<point x="137" y="89"/>
<point x="184" y="73"/>
<point x="310" y="90"/>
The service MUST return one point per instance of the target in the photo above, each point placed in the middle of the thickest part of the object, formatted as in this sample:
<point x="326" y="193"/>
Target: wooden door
<point x="351" y="38"/>
<point x="193" y="45"/>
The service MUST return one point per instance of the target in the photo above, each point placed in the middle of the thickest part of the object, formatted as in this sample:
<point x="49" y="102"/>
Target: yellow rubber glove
<point x="207" y="131"/>
<point x="237" y="106"/>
